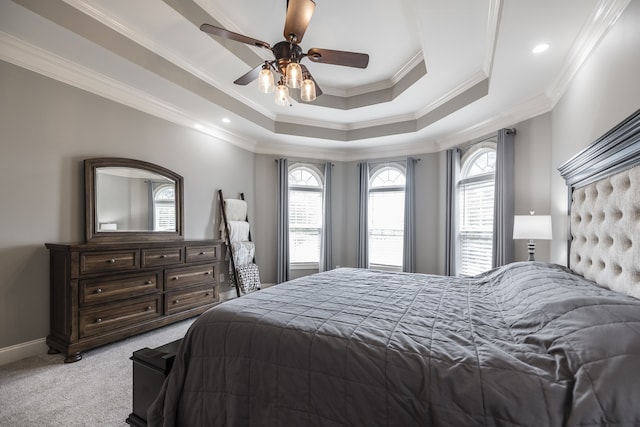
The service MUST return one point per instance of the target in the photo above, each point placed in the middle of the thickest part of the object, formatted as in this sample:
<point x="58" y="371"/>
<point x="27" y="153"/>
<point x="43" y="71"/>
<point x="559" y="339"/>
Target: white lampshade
<point x="293" y="77"/>
<point x="266" y="83"/>
<point x="532" y="227"/>
<point x="282" y="95"/>
<point x="308" y="91"/>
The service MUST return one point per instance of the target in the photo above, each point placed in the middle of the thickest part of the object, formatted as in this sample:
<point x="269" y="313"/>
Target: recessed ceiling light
<point x="226" y="120"/>
<point x="540" y="48"/>
<point x="198" y="126"/>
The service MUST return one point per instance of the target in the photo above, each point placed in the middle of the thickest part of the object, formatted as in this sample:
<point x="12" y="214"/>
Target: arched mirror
<point x="132" y="200"/>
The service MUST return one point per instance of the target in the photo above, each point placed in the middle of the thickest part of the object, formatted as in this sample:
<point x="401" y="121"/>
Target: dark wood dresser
<point x="103" y="292"/>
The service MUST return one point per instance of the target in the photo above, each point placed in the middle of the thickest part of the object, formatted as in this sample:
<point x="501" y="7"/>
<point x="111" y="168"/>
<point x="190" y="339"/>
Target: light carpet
<point x="96" y="391"/>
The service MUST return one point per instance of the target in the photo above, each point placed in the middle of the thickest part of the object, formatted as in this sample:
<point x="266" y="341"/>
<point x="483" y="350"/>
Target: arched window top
<point x="304" y="176"/>
<point x="388" y="176"/>
<point x="479" y="162"/>
<point x="165" y="193"/>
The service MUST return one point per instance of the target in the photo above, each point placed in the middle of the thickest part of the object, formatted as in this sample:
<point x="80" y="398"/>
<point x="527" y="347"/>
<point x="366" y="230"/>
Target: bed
<point x="527" y="344"/>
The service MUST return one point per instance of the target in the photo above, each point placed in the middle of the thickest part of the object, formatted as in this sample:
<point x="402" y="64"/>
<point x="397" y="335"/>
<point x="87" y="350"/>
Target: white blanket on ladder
<point x="238" y="231"/>
<point x="235" y="209"/>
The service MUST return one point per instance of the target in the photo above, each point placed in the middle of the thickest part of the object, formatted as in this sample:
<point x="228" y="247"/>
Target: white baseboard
<point x="20" y="351"/>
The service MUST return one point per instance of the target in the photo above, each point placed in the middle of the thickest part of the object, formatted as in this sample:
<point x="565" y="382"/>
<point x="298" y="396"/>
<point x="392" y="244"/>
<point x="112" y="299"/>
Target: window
<point x="305" y="215"/>
<point x="386" y="217"/>
<point x="476" y="188"/>
<point x="164" y="208"/>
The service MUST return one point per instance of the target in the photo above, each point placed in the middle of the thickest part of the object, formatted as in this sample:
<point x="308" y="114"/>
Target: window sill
<point x="303" y="266"/>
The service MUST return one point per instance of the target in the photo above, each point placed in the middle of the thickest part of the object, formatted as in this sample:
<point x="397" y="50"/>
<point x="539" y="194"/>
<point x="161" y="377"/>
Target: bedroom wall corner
<point x="603" y="92"/>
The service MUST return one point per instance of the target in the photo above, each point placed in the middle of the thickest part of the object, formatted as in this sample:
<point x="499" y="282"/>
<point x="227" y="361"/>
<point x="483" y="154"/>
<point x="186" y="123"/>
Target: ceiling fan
<point x="288" y="55"/>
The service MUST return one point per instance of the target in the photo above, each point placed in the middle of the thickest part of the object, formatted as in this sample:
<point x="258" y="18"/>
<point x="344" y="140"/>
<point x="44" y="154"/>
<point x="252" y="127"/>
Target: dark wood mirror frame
<point x="97" y="236"/>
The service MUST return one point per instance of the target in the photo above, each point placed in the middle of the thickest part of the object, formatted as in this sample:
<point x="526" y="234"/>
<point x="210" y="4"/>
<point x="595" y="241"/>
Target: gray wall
<point x="47" y="129"/>
<point x="532" y="163"/>
<point x="603" y="92"/>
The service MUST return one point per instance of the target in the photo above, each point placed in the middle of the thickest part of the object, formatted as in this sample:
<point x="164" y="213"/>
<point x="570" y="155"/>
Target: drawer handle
<point x="206" y="273"/>
<point x="176" y="301"/>
<point x="207" y="294"/>
<point x="98" y="291"/>
<point x="203" y="253"/>
<point x="176" y="277"/>
<point x="112" y="261"/>
<point x="98" y="320"/>
<point x="149" y="308"/>
<point x="163" y="256"/>
<point x="148" y="282"/>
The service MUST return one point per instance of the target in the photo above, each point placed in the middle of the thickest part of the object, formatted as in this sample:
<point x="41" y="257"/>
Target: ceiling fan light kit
<point x="288" y="55"/>
<point x="266" y="82"/>
<point x="293" y="75"/>
<point x="282" y="95"/>
<point x="308" y="91"/>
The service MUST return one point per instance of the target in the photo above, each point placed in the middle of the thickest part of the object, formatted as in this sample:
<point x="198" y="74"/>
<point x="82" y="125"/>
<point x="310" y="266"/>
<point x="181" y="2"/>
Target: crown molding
<point x="171" y="56"/>
<point x="454" y="92"/>
<point x="493" y="27"/>
<point x="28" y="56"/>
<point x="601" y="19"/>
<point x="533" y="107"/>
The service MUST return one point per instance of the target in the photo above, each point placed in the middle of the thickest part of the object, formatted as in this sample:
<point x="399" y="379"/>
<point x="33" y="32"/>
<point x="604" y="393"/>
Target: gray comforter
<point x="530" y="344"/>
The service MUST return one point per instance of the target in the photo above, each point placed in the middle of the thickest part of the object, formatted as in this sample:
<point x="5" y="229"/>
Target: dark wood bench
<point x="150" y="368"/>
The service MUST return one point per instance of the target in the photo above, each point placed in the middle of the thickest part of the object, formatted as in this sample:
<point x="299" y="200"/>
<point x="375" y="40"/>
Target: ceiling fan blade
<point x="221" y="32"/>
<point x="249" y="77"/>
<point x="307" y="74"/>
<point x="299" y="13"/>
<point x="338" y="57"/>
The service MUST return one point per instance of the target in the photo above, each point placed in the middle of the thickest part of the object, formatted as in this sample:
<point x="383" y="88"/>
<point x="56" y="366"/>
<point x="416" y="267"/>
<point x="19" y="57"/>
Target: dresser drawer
<point x="105" y="289"/>
<point x="180" y="277"/>
<point x="193" y="297"/>
<point x="203" y="253"/>
<point x="162" y="256"/>
<point x="111" y="317"/>
<point x="100" y="262"/>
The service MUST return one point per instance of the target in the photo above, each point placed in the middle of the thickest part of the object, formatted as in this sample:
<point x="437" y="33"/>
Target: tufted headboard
<point x="605" y="230"/>
<point x="604" y="200"/>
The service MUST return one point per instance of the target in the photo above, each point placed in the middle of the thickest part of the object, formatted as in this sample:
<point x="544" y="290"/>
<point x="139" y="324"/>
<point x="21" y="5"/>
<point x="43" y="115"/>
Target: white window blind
<point x="476" y="226"/>
<point x="476" y="192"/>
<point x="305" y="225"/>
<point x="386" y="228"/>
<point x="164" y="206"/>
<point x="386" y="217"/>
<point x="305" y="215"/>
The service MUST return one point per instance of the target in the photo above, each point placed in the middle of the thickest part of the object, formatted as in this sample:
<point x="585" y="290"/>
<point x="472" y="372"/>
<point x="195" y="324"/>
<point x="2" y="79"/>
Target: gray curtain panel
<point x="503" y="208"/>
<point x="363" y="227"/>
<point x="326" y="243"/>
<point x="409" y="253"/>
<point x="451" y="218"/>
<point x="282" y="255"/>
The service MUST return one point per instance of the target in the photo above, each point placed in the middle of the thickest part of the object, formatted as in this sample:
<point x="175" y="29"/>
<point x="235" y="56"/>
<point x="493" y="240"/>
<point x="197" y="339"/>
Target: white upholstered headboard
<point x="604" y="192"/>
<point x="605" y="230"/>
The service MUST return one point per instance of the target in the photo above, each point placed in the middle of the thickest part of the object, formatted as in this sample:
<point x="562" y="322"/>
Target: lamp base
<point x="532" y="248"/>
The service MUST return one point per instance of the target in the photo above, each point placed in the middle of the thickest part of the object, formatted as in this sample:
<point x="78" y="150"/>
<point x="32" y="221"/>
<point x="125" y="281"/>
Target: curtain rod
<point x="381" y="162"/>
<point x="316" y="163"/>
<point x="465" y="145"/>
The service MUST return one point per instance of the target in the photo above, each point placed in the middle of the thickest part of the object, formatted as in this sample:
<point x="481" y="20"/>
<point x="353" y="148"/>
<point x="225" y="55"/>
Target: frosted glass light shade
<point x="293" y="77"/>
<point x="308" y="90"/>
<point x="533" y="227"/>
<point x="266" y="83"/>
<point x="282" y="95"/>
